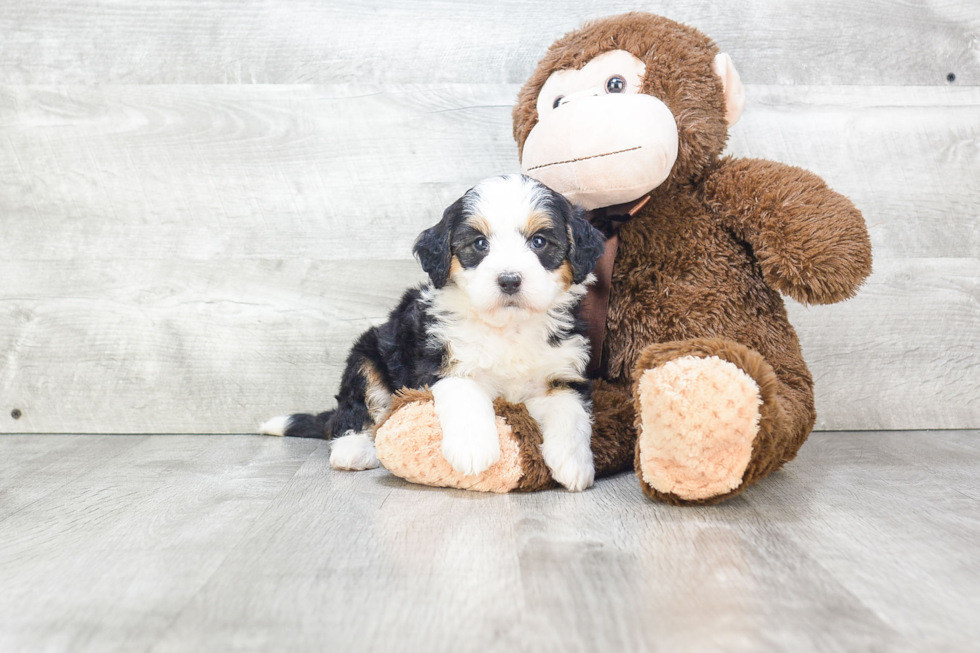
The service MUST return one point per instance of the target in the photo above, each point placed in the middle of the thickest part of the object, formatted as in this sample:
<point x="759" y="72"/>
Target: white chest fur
<point x="513" y="357"/>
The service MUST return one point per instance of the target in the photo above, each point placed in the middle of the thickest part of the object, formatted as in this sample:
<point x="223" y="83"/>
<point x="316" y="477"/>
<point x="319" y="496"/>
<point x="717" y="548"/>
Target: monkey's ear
<point x="432" y="246"/>
<point x="732" y="83"/>
<point x="587" y="245"/>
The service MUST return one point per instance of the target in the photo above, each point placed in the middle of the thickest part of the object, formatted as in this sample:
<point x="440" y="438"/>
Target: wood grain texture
<point x="177" y="346"/>
<point x="854" y="511"/>
<point x="165" y="346"/>
<point x="866" y="542"/>
<point x="216" y="42"/>
<point x="189" y="501"/>
<point x="355" y="173"/>
<point x="905" y="354"/>
<point x="908" y="157"/>
<point x="197" y="259"/>
<point x="31" y="469"/>
<point x="335" y="172"/>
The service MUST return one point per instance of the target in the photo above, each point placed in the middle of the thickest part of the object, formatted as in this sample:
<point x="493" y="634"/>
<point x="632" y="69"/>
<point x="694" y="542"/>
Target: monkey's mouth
<point x="584" y="158"/>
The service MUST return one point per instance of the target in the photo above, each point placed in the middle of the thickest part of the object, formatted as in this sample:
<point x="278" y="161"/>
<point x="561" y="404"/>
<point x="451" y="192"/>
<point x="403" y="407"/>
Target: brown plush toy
<point x="701" y="385"/>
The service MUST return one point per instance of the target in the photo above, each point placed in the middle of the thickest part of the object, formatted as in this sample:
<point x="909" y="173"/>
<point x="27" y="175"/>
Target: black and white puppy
<point x="508" y="264"/>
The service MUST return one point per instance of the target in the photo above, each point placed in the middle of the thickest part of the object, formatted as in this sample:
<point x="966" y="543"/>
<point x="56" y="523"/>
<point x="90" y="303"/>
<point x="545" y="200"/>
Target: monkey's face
<point x="598" y="140"/>
<point x="604" y="125"/>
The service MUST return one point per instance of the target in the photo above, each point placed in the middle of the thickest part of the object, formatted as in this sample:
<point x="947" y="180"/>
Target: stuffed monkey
<point x="700" y="383"/>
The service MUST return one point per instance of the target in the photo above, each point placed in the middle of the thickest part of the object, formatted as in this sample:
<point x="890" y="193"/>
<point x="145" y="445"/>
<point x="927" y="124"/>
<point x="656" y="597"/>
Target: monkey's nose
<point x="509" y="283"/>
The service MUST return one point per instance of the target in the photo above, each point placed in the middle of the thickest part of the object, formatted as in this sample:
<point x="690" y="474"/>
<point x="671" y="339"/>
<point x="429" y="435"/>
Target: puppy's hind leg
<point x="363" y="400"/>
<point x="362" y="403"/>
<point x="353" y="452"/>
<point x="352" y="426"/>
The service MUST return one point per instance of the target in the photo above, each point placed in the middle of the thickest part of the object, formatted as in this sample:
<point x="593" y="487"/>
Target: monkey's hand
<point x="810" y="241"/>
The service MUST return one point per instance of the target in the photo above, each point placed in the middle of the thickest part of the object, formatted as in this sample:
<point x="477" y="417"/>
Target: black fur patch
<point x="555" y="250"/>
<point x="432" y="246"/>
<point x="463" y="245"/>
<point x="305" y="425"/>
<point x="588" y="244"/>
<point x="582" y="388"/>
<point x="571" y="237"/>
<point x="401" y="353"/>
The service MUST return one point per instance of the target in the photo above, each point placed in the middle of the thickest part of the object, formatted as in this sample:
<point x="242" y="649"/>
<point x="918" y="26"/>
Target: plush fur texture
<point x="698" y="419"/>
<point x="786" y="414"/>
<point x="408" y="445"/>
<point x="701" y="267"/>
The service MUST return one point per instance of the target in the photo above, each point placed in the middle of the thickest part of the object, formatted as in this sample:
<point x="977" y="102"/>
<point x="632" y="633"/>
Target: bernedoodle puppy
<point x="508" y="265"/>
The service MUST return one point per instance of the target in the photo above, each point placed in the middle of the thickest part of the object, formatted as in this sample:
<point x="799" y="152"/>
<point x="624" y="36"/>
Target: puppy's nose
<point x="509" y="283"/>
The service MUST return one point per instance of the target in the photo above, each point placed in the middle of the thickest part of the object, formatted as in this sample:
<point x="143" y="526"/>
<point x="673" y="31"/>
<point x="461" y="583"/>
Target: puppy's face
<point x="510" y="244"/>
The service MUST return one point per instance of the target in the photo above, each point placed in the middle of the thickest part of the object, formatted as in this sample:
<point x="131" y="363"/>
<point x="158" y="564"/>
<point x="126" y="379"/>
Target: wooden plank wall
<point x="203" y="202"/>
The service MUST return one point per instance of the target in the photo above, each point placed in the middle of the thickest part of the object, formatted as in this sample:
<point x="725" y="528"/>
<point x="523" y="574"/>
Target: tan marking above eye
<point x="536" y="222"/>
<point x="480" y="223"/>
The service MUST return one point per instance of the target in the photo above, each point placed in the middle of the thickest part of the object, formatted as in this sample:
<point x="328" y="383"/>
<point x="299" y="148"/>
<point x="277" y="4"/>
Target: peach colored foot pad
<point x="409" y="445"/>
<point x="699" y="417"/>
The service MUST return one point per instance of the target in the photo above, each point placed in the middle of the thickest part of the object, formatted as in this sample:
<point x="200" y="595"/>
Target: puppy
<point x="508" y="266"/>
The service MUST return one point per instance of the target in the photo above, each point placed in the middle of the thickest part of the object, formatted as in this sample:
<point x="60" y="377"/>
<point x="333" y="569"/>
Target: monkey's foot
<point x="696" y="421"/>
<point x="409" y="445"/>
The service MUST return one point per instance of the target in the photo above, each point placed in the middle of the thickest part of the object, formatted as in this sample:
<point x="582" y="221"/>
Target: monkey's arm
<point x="810" y="241"/>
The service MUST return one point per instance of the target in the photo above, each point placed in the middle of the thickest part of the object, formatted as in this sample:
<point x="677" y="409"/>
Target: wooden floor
<point x="868" y="542"/>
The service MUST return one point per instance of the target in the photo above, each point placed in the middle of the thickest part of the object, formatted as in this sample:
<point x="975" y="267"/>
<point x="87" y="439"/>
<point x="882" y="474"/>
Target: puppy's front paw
<point x="570" y="465"/>
<point x="471" y="447"/>
<point x="566" y="433"/>
<point x="470" y="441"/>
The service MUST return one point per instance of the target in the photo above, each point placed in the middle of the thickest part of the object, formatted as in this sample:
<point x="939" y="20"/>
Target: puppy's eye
<point x="481" y="244"/>
<point x="538" y="242"/>
<point x="615" y="84"/>
<point x="557" y="101"/>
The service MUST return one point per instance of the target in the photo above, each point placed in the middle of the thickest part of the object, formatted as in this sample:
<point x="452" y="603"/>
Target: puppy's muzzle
<point x="509" y="282"/>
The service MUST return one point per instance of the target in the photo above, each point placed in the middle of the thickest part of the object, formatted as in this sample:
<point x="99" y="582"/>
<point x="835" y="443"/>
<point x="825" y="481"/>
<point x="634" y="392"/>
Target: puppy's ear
<point x="586" y="244"/>
<point x="432" y="246"/>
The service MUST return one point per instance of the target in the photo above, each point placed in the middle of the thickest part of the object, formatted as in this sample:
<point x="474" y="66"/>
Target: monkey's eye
<point x="557" y="101"/>
<point x="481" y="244"/>
<point x="538" y="242"/>
<point x="615" y="84"/>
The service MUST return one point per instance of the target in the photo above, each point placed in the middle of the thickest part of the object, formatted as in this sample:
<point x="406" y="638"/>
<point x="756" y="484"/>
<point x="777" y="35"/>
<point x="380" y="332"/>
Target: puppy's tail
<point x="301" y="425"/>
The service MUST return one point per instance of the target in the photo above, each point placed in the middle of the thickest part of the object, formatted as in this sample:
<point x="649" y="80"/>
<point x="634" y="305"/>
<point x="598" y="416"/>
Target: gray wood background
<point x="203" y="203"/>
